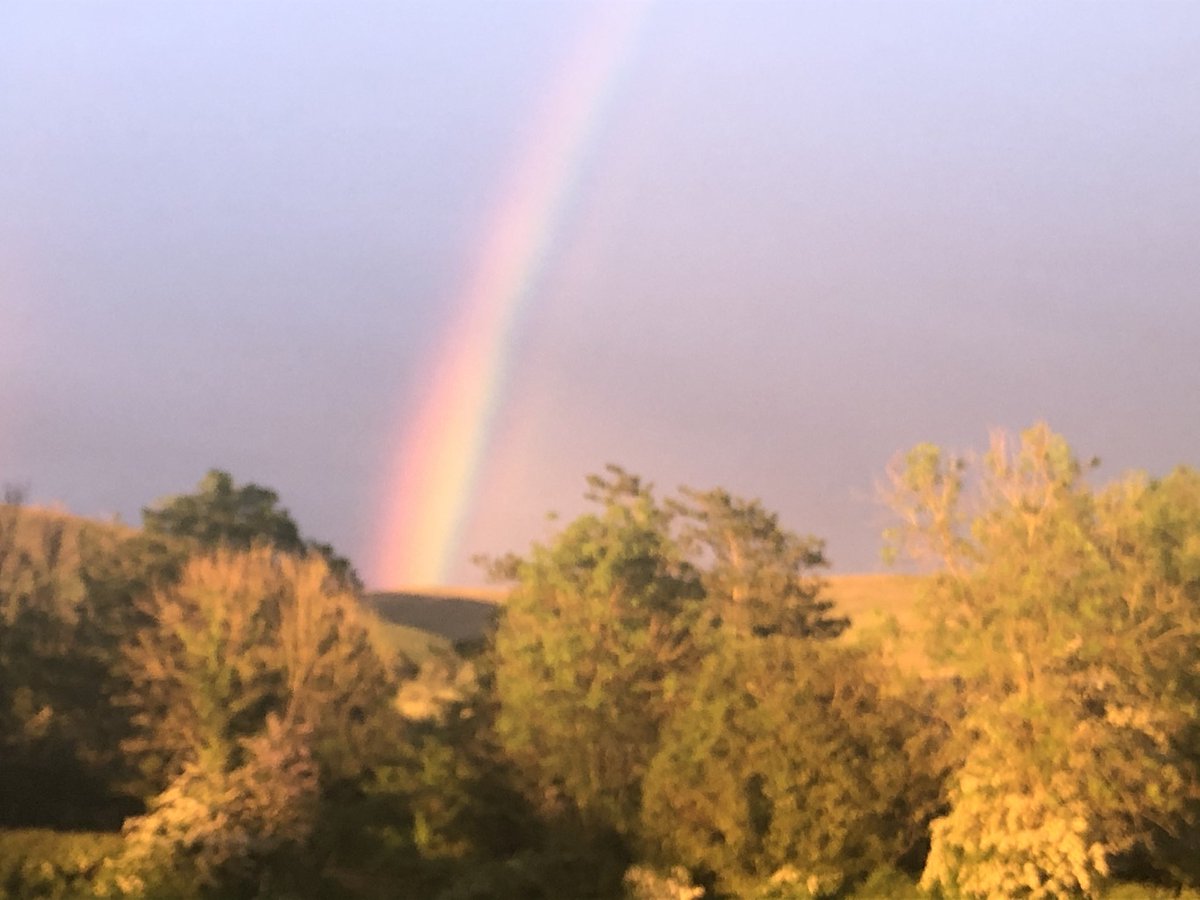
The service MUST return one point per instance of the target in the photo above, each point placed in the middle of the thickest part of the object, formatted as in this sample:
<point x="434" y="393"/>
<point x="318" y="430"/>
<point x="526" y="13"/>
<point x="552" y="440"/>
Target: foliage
<point x="758" y="577"/>
<point x="455" y="786"/>
<point x="223" y="514"/>
<point x="54" y="865"/>
<point x="243" y="635"/>
<point x="662" y="680"/>
<point x="58" y="732"/>
<point x="1069" y="621"/>
<point x="788" y="754"/>
<point x="537" y="874"/>
<point x="643" y="883"/>
<point x="886" y="883"/>
<point x="225" y="831"/>
<point x="609" y="618"/>
<point x="588" y="651"/>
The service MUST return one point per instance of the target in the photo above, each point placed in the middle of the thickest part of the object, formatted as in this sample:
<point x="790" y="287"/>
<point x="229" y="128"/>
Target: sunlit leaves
<point x="1069" y="623"/>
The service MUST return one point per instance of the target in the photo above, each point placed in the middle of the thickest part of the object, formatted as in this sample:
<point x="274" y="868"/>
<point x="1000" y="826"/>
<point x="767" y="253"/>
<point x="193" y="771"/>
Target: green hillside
<point x="453" y="614"/>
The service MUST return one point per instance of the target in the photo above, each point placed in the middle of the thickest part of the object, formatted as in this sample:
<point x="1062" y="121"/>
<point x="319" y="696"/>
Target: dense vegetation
<point x="669" y="705"/>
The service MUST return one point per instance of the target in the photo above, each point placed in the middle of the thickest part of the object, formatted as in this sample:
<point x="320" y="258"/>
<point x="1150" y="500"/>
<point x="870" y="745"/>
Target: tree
<point x="789" y="755"/>
<point x="758" y="576"/>
<point x="1069" y="622"/>
<point x="59" y="735"/>
<point x="243" y="635"/>
<point x="223" y="514"/>
<point x="589" y="650"/>
<point x="227" y="831"/>
<point x="610" y="620"/>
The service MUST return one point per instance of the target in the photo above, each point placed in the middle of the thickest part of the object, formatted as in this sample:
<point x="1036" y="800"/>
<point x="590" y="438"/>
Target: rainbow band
<point x="429" y="493"/>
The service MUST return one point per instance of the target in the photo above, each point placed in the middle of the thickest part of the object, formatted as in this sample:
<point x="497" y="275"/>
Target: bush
<point x="225" y="833"/>
<point x="52" y="864"/>
<point x="886" y="883"/>
<point x="642" y="883"/>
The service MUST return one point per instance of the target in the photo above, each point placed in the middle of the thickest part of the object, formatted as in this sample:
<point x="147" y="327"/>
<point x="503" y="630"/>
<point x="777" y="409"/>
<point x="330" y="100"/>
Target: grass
<point x="394" y="640"/>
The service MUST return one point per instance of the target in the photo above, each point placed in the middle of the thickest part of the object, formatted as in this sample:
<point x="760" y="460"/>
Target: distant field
<point x="393" y="639"/>
<point x="452" y="614"/>
<point x="871" y="597"/>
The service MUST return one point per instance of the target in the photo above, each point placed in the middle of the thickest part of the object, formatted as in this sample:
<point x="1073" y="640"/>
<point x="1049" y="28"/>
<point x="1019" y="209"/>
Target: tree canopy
<point x="221" y="513"/>
<point x="1069" y="619"/>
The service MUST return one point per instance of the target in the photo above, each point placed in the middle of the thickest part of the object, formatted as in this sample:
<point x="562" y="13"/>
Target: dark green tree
<point x="221" y="513"/>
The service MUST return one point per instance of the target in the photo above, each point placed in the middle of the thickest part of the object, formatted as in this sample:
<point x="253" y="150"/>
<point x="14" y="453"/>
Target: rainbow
<point x="428" y="494"/>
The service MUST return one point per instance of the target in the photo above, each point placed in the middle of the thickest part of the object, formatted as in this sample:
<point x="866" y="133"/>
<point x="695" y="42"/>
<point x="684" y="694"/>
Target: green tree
<point x="1067" y="622"/>
<point x="589" y="651"/>
<point x="221" y="513"/>
<point x="790" y="756"/>
<point x="759" y="577"/>
<point x="610" y="620"/>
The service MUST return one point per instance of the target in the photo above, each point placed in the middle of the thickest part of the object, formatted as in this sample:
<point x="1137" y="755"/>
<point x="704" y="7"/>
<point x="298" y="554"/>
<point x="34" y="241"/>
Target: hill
<point x="453" y="614"/>
<point x="52" y="540"/>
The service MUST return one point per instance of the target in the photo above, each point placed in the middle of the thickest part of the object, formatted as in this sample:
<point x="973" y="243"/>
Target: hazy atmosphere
<point x="785" y="242"/>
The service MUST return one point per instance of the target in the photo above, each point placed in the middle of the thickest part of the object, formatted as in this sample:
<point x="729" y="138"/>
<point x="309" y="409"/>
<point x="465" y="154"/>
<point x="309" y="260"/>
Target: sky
<point x="788" y="241"/>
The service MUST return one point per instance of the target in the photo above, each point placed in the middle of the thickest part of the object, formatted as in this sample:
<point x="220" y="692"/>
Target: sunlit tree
<point x="1067" y="621"/>
<point x="241" y="635"/>
<point x="759" y="578"/>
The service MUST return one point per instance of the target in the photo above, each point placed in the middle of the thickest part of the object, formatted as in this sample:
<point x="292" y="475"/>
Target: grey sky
<point x="805" y="237"/>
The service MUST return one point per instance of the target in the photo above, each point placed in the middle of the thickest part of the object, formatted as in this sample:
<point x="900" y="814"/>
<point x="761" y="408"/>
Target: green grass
<point x="393" y="640"/>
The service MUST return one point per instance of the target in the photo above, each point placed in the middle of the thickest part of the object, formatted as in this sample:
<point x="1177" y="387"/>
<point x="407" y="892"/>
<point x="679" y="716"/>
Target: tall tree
<point x="610" y="620"/>
<point x="589" y="649"/>
<point x="1074" y="648"/>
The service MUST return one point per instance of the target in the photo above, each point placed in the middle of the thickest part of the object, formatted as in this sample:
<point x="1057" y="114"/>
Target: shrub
<point x="52" y="864"/>
<point x="642" y="883"/>
<point x="224" y="833"/>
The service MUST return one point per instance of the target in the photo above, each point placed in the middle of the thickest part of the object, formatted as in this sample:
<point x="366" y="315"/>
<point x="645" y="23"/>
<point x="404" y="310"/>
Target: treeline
<point x="668" y="707"/>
